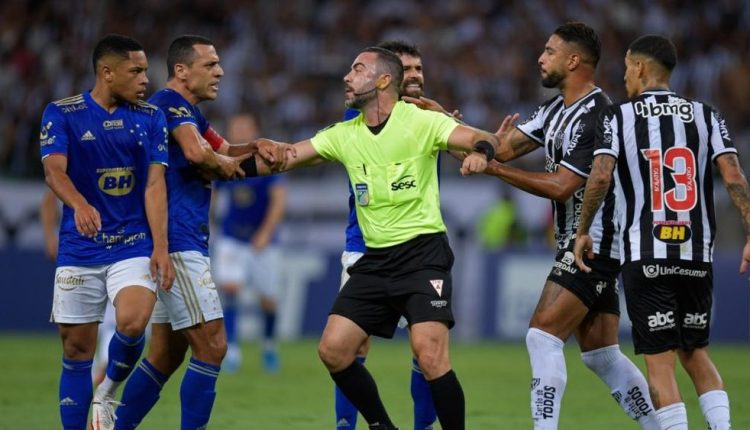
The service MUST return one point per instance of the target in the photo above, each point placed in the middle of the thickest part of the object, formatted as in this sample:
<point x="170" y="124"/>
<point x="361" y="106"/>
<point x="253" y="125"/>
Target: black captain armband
<point x="249" y="166"/>
<point x="486" y="148"/>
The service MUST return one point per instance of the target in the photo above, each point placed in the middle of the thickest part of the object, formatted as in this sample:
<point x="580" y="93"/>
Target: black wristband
<point x="249" y="166"/>
<point x="486" y="148"/>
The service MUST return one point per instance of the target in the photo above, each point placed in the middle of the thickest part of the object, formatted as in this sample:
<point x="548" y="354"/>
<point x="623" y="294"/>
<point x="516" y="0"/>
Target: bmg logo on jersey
<point x="404" y="183"/>
<point x="675" y="107"/>
<point x="661" y="321"/>
<point x="696" y="320"/>
<point x="117" y="181"/>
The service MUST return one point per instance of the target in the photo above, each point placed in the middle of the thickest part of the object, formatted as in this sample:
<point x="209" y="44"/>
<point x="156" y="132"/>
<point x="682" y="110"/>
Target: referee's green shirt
<point x="394" y="173"/>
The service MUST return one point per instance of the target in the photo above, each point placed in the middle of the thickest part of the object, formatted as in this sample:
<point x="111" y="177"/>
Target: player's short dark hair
<point x="114" y="44"/>
<point x="400" y="47"/>
<point x="181" y="51"/>
<point x="390" y="61"/>
<point x="659" y="48"/>
<point x="583" y="36"/>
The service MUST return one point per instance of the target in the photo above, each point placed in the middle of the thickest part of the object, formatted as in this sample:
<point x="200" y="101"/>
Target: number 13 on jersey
<point x="681" y="164"/>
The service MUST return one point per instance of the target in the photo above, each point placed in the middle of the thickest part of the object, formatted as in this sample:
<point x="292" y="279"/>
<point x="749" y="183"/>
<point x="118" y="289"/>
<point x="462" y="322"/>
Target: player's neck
<point x="104" y="98"/>
<point x="182" y="90"/>
<point x="378" y="110"/>
<point x="575" y="89"/>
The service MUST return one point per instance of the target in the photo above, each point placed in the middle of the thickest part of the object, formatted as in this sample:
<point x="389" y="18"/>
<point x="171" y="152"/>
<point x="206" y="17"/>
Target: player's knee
<point x="334" y="358"/>
<point x="433" y="361"/>
<point x="74" y="349"/>
<point x="133" y="327"/>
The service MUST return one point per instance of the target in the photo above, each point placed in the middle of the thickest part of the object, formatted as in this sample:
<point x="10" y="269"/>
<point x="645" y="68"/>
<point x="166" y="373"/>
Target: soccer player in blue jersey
<point x="424" y="410"/>
<point x="104" y="154"/>
<point x="49" y="216"/>
<point x="247" y="251"/>
<point x="190" y="314"/>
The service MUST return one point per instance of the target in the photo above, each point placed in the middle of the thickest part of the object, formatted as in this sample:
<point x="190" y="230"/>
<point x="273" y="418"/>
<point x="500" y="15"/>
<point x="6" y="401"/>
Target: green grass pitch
<point x="495" y="378"/>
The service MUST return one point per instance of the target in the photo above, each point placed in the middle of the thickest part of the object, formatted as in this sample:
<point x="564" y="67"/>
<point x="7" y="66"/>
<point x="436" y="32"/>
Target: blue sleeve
<point x="159" y="139"/>
<point x="177" y="111"/>
<point x="53" y="136"/>
<point x="350" y="113"/>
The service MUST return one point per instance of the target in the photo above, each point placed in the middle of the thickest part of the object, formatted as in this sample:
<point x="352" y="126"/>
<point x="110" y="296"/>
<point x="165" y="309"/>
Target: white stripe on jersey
<point x="702" y="160"/>
<point x="628" y="116"/>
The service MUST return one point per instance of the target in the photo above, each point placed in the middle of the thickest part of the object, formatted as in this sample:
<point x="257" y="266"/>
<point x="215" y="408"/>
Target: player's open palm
<point x="474" y="163"/>
<point x="162" y="269"/>
<point x="508" y="124"/>
<point x="88" y="220"/>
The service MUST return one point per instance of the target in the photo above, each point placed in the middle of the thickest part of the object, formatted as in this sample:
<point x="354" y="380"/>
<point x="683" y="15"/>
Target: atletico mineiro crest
<point x="437" y="284"/>
<point x="363" y="197"/>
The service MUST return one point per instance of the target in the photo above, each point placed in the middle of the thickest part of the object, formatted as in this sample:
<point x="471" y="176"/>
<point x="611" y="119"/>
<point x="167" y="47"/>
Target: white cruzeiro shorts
<point x="193" y="298"/>
<point x="236" y="262"/>
<point x="348" y="258"/>
<point x="81" y="292"/>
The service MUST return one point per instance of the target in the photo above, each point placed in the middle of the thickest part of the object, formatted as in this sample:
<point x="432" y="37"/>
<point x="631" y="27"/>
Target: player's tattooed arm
<point x="513" y="143"/>
<point x="596" y="189"/>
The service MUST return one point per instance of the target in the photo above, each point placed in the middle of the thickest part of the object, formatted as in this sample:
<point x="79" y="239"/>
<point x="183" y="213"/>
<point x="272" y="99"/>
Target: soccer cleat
<point x="103" y="414"/>
<point x="270" y="360"/>
<point x="232" y="361"/>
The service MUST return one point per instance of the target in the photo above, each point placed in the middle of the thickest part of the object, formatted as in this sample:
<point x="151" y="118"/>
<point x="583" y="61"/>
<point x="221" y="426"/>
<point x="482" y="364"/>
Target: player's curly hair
<point x="583" y="36"/>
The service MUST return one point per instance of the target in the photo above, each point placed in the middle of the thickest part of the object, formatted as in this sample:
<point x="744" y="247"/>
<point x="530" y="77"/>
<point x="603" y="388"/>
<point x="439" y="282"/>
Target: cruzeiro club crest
<point x="362" y="195"/>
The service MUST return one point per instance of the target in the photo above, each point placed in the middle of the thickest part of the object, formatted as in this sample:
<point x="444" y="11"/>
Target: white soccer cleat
<point x="103" y="414"/>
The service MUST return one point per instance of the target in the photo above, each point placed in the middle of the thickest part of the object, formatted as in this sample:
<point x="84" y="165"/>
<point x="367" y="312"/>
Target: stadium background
<point x="283" y="61"/>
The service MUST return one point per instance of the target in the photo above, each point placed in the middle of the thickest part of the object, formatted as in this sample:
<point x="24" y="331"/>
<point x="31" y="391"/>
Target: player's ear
<point x="383" y="81"/>
<point x="574" y="60"/>
<point x="180" y="70"/>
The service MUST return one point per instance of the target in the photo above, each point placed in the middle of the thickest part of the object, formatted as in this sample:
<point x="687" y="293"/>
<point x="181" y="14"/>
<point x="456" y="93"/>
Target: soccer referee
<point x="389" y="151"/>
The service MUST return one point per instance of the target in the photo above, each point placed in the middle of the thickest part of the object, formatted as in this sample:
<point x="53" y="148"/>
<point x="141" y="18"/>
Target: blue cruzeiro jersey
<point x="189" y="194"/>
<point x="108" y="157"/>
<point x="249" y="199"/>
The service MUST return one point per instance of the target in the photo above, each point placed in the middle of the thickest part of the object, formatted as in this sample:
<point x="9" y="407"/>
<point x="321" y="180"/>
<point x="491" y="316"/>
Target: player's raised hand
<point x="473" y="163"/>
<point x="425" y="104"/>
<point x="162" y="270"/>
<point x="584" y="244"/>
<point x="508" y="124"/>
<point x="88" y="220"/>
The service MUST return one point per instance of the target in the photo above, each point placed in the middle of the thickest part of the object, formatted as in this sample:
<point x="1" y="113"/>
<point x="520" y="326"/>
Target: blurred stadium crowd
<point x="284" y="59"/>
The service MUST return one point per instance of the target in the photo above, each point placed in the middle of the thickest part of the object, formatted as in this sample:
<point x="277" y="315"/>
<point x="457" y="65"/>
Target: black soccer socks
<point x="448" y="397"/>
<point x="359" y="387"/>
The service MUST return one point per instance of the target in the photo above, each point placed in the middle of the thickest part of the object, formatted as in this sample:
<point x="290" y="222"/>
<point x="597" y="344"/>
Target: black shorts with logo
<point x="598" y="289"/>
<point x="412" y="279"/>
<point x="669" y="304"/>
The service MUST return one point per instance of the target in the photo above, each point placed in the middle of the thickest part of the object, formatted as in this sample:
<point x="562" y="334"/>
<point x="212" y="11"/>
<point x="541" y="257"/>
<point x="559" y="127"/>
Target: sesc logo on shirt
<point x="117" y="181"/>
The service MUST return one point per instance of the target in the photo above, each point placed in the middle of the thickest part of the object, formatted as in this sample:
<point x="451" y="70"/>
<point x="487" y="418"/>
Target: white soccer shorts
<point x="193" y="298"/>
<point x="81" y="292"/>
<point x="238" y="263"/>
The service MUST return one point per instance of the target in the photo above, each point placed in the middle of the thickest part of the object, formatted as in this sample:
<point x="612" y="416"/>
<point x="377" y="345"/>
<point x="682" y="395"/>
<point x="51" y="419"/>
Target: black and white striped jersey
<point x="665" y="145"/>
<point x="567" y="135"/>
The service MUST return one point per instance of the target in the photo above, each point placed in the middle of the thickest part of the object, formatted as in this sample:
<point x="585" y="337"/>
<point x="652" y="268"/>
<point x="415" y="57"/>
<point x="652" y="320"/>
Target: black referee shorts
<point x="412" y="279"/>
<point x="669" y="304"/>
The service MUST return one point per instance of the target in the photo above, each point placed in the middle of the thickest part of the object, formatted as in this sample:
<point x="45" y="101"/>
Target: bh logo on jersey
<point x="117" y="181"/>
<point x="672" y="234"/>
<point x="661" y="321"/>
